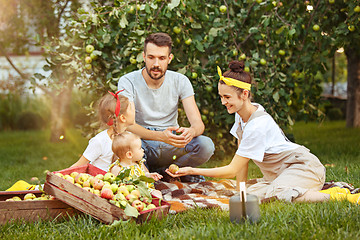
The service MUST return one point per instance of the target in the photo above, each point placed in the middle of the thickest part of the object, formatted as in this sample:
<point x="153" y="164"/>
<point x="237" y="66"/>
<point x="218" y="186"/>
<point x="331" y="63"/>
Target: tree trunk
<point x="353" y="88"/>
<point x="60" y="114"/>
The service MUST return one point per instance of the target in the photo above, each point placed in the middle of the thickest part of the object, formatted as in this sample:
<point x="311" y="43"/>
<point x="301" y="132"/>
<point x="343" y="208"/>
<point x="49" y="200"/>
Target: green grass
<point x="21" y="156"/>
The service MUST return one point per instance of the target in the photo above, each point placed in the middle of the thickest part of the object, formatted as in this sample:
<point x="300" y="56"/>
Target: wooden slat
<point x="82" y="206"/>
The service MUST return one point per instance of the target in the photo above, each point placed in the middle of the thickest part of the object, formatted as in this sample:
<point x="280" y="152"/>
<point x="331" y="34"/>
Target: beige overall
<point x="286" y="175"/>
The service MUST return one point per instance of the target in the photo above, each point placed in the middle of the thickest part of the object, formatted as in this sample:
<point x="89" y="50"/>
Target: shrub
<point x="30" y="121"/>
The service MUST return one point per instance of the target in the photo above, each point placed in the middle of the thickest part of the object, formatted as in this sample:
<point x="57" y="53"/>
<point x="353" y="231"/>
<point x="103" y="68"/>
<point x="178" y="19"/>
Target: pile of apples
<point x="31" y="197"/>
<point x="104" y="186"/>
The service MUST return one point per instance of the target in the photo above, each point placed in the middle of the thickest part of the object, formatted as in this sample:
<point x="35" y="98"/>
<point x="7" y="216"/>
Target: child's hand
<point x="154" y="176"/>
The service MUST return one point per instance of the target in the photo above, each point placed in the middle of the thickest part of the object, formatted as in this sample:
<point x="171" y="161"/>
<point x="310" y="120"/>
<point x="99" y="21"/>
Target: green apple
<point x="136" y="193"/>
<point x="188" y="41"/>
<point x="88" y="59"/>
<point x="316" y="27"/>
<point x="130" y="187"/>
<point x="151" y="206"/>
<point x="351" y="28"/>
<point x="281" y="52"/>
<point x="246" y="69"/>
<point x="59" y="175"/>
<point x="242" y="57"/>
<point x="194" y="75"/>
<point x="235" y="52"/>
<point x="93" y="56"/>
<point x="88" y="66"/>
<point x="89" y="48"/>
<point x="177" y="30"/>
<point x="74" y="174"/>
<point x="263" y="61"/>
<point x="29" y="196"/>
<point x="223" y="9"/>
<point x="131" y="10"/>
<point x="133" y="60"/>
<point x="123" y="190"/>
<point x="289" y="103"/>
<point x="69" y="179"/>
<point x="109" y="177"/>
<point x="357" y="9"/>
<point x="259" y="1"/>
<point x="114" y="187"/>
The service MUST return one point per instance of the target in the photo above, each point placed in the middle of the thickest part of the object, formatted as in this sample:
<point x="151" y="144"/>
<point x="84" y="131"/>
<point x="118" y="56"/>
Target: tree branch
<point x="3" y="52"/>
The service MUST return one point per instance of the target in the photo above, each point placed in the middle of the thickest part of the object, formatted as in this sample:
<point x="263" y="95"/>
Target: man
<point x="156" y="92"/>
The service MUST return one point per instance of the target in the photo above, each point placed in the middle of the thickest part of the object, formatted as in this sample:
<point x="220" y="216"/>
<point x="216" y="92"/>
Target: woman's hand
<point x="181" y="172"/>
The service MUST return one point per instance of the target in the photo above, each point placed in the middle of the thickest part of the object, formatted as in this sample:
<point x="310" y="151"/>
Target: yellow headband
<point x="233" y="82"/>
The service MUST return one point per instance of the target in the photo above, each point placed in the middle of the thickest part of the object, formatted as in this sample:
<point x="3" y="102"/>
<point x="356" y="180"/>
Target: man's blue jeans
<point x="160" y="155"/>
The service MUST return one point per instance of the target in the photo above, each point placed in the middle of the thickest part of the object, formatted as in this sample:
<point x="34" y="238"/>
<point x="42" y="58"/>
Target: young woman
<point x="290" y="171"/>
<point x="117" y="112"/>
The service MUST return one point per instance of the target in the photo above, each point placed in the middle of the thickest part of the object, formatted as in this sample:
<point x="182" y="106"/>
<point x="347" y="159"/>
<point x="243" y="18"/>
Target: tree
<point x="284" y="46"/>
<point x="20" y="21"/>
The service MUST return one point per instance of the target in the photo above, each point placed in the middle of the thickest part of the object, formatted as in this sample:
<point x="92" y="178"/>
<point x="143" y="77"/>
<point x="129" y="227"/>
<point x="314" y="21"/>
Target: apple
<point x="262" y="61"/>
<point x="78" y="185"/>
<point x="331" y="1"/>
<point x="93" y="56"/>
<point x="89" y="48"/>
<point x="223" y="9"/>
<point x="86" y="183"/>
<point x="114" y="187"/>
<point x="130" y="187"/>
<point x="69" y="179"/>
<point x="130" y="198"/>
<point x="139" y="205"/>
<point x="146" y="200"/>
<point x="93" y="180"/>
<point x="119" y="196"/>
<point x="16" y="198"/>
<point x="59" y="175"/>
<point x="194" y="75"/>
<point x="131" y="10"/>
<point x="100" y="176"/>
<point x="88" y="66"/>
<point x="29" y="196"/>
<point x="259" y="1"/>
<point x="106" y="186"/>
<point x="151" y="206"/>
<point x="316" y="27"/>
<point x="289" y="103"/>
<point x="109" y="177"/>
<point x="123" y="203"/>
<point x="97" y="192"/>
<point x="173" y="168"/>
<point x="89" y="189"/>
<point x="351" y="28"/>
<point x="74" y="174"/>
<point x="235" y="52"/>
<point x="281" y="52"/>
<point x="138" y="6"/>
<point x="133" y="60"/>
<point x="81" y="178"/>
<point x="176" y="29"/>
<point x="136" y="193"/>
<point x="188" y="41"/>
<point x="107" y="193"/>
<point x="123" y="190"/>
<point x="261" y="42"/>
<point x="88" y="59"/>
<point x="357" y="9"/>
<point x="98" y="185"/>
<point x="246" y="69"/>
<point x="242" y="57"/>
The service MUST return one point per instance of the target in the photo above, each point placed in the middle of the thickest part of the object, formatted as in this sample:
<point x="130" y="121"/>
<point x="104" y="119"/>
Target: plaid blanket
<point x="211" y="194"/>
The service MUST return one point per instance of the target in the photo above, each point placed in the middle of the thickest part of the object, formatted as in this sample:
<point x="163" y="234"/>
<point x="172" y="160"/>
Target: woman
<point x="290" y="171"/>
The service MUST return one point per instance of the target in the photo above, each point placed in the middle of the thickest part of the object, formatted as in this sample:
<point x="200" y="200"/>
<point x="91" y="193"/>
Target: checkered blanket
<point x="211" y="194"/>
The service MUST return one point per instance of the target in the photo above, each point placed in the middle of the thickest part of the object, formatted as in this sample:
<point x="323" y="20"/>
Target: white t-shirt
<point x="156" y="108"/>
<point x="99" y="151"/>
<point x="260" y="135"/>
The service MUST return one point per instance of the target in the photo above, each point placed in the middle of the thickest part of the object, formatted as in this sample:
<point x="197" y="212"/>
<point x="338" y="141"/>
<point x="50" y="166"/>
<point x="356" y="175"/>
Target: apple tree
<point x="284" y="46"/>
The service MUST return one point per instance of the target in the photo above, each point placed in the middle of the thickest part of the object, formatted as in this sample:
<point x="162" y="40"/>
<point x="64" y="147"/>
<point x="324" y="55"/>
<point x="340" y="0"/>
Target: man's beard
<point x="155" y="68"/>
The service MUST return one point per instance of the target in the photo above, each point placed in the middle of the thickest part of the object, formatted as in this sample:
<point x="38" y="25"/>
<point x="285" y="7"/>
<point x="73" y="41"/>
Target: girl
<point x="129" y="153"/>
<point x="116" y="112"/>
<point x="290" y="171"/>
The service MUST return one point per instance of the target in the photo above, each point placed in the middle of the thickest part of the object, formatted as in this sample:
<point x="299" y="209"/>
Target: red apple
<point x="86" y="183"/>
<point x="139" y="205"/>
<point x="131" y="198"/>
<point x="107" y="193"/>
<point x="136" y="193"/>
<point x="98" y="185"/>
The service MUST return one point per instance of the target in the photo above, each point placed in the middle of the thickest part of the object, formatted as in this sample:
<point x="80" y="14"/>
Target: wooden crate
<point x="34" y="210"/>
<point x="91" y="204"/>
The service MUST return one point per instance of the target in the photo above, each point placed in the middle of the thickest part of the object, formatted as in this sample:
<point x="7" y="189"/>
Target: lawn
<point x="27" y="154"/>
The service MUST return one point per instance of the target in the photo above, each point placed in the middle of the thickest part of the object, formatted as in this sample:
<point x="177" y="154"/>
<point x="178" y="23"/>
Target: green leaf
<point x="196" y="25"/>
<point x="292" y="32"/>
<point x="131" y="211"/>
<point x="123" y="21"/>
<point x="139" y="57"/>
<point x="276" y="96"/>
<point x="143" y="189"/>
<point x="173" y="4"/>
<point x="39" y="76"/>
<point x="199" y="46"/>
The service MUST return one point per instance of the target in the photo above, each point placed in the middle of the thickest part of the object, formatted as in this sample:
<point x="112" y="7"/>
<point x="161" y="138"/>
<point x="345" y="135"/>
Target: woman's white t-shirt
<point x="99" y="151"/>
<point x="260" y="135"/>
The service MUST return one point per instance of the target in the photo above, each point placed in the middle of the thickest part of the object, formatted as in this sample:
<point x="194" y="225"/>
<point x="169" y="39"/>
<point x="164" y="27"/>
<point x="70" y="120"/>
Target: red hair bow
<point x="117" y="108"/>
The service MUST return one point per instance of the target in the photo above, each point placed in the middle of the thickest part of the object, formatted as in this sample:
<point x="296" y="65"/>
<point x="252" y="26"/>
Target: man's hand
<point x="180" y="141"/>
